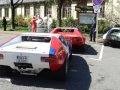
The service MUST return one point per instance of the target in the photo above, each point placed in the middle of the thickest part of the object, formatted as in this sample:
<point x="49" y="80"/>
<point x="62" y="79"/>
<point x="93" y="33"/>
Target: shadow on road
<point x="89" y="50"/>
<point x="78" y="78"/>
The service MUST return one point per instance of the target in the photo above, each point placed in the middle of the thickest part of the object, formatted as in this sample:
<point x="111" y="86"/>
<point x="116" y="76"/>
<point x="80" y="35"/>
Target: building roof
<point x="2" y="2"/>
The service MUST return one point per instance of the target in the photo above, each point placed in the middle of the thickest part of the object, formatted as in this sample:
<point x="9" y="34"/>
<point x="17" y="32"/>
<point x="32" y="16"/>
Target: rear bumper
<point x="113" y="42"/>
<point x="74" y="45"/>
<point x="30" y="67"/>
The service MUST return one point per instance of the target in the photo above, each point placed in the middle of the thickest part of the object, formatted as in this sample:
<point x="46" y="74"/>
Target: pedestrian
<point x="4" y="23"/>
<point x="49" y="22"/>
<point x="39" y="23"/>
<point x="93" y="30"/>
<point x="33" y="24"/>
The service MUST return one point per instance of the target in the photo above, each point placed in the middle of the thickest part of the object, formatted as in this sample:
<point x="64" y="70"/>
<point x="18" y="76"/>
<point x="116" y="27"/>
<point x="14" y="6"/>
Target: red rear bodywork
<point x="60" y="55"/>
<point x="73" y="34"/>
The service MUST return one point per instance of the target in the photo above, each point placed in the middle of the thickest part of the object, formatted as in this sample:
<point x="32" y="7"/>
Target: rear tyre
<point x="4" y="70"/>
<point x="62" y="73"/>
<point x="105" y="43"/>
<point x="82" y="48"/>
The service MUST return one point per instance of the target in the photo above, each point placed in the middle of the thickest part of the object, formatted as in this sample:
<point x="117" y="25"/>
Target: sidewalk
<point x="10" y="32"/>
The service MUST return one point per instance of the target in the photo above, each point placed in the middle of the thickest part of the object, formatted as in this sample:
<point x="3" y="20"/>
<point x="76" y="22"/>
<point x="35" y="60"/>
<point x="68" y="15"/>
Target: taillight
<point x="1" y="56"/>
<point x="48" y="59"/>
<point x="78" y="39"/>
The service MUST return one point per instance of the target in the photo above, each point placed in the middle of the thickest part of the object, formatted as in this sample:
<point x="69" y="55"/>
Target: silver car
<point x="112" y="37"/>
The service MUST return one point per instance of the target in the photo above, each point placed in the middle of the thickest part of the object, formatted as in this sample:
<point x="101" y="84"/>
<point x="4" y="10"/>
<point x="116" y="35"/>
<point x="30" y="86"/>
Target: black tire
<point x="82" y="48"/>
<point x="4" y="70"/>
<point x="106" y="43"/>
<point x="62" y="73"/>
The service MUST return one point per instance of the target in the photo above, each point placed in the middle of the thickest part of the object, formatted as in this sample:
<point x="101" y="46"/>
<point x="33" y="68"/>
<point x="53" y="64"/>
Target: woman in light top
<point x="39" y="23"/>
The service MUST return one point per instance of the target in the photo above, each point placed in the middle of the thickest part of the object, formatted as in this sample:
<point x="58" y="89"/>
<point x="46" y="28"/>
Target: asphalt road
<point x="98" y="68"/>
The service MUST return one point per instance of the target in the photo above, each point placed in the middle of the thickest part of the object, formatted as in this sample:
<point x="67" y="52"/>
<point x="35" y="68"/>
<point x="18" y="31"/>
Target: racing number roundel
<point x="97" y="2"/>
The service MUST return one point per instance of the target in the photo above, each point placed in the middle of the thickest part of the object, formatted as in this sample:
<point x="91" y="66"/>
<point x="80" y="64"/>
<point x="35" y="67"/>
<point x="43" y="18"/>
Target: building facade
<point x="30" y="8"/>
<point x="37" y="7"/>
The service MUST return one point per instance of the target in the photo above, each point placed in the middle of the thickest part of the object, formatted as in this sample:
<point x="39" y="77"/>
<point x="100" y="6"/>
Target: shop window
<point x="6" y="12"/>
<point x="37" y="9"/>
<point x="0" y="12"/>
<point x="48" y="10"/>
<point x="27" y="10"/>
<point x="67" y="10"/>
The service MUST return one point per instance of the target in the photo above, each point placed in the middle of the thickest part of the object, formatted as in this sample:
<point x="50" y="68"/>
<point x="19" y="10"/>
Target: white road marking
<point x="6" y="79"/>
<point x="101" y="54"/>
<point x="96" y="59"/>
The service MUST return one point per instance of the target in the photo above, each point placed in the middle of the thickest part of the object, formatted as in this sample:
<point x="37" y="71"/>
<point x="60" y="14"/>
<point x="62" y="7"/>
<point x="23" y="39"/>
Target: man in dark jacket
<point x="4" y="23"/>
<point x="93" y="30"/>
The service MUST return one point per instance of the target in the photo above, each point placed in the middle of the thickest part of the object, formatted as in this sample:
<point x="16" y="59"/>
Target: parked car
<point x="30" y="53"/>
<point x="112" y="37"/>
<point x="73" y="34"/>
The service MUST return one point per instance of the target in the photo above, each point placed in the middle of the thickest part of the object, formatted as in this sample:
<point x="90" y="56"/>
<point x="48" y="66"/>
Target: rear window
<point x="36" y="39"/>
<point x="65" y="30"/>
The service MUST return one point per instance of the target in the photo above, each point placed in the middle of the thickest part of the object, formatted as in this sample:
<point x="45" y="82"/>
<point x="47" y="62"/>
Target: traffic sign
<point x="97" y="2"/>
<point x="97" y="8"/>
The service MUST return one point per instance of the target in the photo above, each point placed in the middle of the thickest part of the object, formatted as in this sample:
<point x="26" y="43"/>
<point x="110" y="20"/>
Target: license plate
<point x="21" y="59"/>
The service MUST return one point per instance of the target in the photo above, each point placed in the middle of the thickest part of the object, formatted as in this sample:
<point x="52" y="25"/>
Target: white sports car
<point x="30" y="53"/>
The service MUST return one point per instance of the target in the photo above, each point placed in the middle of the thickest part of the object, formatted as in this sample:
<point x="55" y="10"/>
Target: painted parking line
<point x="100" y="56"/>
<point x="95" y="59"/>
<point x="6" y="79"/>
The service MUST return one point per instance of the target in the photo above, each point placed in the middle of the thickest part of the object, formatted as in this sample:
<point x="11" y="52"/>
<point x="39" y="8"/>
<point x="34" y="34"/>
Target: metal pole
<point x="96" y="28"/>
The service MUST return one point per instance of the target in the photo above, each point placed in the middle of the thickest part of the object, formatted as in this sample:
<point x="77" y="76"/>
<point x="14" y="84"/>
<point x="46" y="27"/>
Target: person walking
<point x="33" y="24"/>
<point x="93" y="30"/>
<point x="4" y="23"/>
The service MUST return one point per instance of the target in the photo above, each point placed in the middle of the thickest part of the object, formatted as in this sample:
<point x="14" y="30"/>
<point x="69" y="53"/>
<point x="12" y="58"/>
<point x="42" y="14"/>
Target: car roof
<point x="116" y="28"/>
<point x="40" y="34"/>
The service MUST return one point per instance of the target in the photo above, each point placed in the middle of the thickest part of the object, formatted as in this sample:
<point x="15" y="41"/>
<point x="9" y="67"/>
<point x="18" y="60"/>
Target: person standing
<point x="4" y="23"/>
<point x="33" y="24"/>
<point x="49" y="22"/>
<point x="93" y="30"/>
<point x="39" y="23"/>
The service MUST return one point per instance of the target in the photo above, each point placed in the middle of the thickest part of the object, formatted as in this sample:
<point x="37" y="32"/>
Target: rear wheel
<point x="62" y="73"/>
<point x="82" y="48"/>
<point x="4" y="70"/>
<point x="105" y="43"/>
